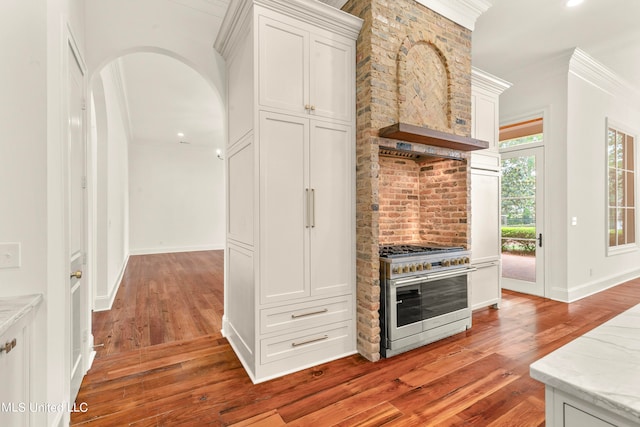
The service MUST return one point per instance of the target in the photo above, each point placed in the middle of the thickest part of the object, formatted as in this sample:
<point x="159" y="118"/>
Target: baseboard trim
<point x="590" y="288"/>
<point x="105" y="302"/>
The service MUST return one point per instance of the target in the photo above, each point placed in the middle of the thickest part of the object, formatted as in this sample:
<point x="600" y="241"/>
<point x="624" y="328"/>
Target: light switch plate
<point x="9" y="255"/>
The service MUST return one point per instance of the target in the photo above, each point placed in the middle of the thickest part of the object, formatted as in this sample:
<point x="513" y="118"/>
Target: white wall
<point x="33" y="52"/>
<point x="23" y="103"/>
<point x="576" y="94"/>
<point x="594" y="93"/>
<point x="176" y="198"/>
<point x="542" y="90"/>
<point x="112" y="141"/>
<point x="23" y="158"/>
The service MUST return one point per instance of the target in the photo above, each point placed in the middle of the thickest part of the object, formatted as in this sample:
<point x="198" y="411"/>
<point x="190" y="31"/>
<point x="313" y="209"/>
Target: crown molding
<point x="462" y="12"/>
<point x="489" y="82"/>
<point x="237" y="14"/>
<point x="311" y="11"/>
<point x="335" y="3"/>
<point x="317" y="13"/>
<point x="590" y="70"/>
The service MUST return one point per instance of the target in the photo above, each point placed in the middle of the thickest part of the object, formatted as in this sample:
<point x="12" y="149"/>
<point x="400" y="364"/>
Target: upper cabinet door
<point x="331" y="178"/>
<point x="304" y="70"/>
<point x="484" y="110"/>
<point x="332" y="78"/>
<point x="283" y="61"/>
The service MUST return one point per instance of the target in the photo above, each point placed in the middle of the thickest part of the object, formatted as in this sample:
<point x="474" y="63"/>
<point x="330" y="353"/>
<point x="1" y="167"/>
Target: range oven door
<point x="418" y="303"/>
<point x="404" y="310"/>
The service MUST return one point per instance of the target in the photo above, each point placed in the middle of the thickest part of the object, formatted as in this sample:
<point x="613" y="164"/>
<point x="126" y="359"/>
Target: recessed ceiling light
<point x="572" y="3"/>
<point x="180" y="134"/>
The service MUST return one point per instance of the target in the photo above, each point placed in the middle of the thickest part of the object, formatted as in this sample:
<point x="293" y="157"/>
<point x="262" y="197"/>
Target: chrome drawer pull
<point x="298" y="344"/>
<point x="295" y="316"/>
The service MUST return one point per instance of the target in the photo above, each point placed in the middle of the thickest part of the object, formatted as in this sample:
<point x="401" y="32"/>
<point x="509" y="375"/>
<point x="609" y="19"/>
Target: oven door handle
<point x="435" y="276"/>
<point x="450" y="273"/>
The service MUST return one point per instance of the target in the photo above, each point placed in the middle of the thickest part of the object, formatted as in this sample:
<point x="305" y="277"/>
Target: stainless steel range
<point x="424" y="295"/>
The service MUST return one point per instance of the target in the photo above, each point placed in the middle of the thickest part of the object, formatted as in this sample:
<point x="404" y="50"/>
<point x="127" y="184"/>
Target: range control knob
<point x="419" y="266"/>
<point x="395" y="270"/>
<point x="412" y="268"/>
<point x="427" y="265"/>
<point x="445" y="263"/>
<point x="455" y="261"/>
<point x="405" y="269"/>
<point x="467" y="260"/>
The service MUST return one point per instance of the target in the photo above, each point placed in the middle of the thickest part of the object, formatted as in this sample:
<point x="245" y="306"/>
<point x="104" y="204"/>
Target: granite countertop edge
<point x="600" y="367"/>
<point x="13" y="309"/>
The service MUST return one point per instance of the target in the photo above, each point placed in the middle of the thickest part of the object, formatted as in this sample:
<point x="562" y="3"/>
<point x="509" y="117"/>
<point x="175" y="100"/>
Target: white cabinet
<point x="290" y="257"/>
<point x="306" y="199"/>
<point x="16" y="361"/>
<point x="565" y="410"/>
<point x="485" y="192"/>
<point x="14" y="364"/>
<point x="302" y="71"/>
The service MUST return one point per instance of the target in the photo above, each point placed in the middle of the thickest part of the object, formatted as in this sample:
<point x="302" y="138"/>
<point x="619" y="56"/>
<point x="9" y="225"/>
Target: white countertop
<point x="601" y="367"/>
<point x="12" y="309"/>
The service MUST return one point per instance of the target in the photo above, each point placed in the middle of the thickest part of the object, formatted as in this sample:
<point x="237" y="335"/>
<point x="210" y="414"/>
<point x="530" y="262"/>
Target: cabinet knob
<point x="8" y="346"/>
<point x="307" y="107"/>
<point x="313" y="108"/>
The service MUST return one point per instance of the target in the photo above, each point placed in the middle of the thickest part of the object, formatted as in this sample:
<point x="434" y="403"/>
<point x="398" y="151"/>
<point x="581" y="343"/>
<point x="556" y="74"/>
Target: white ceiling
<point x="513" y="34"/>
<point x="166" y="97"/>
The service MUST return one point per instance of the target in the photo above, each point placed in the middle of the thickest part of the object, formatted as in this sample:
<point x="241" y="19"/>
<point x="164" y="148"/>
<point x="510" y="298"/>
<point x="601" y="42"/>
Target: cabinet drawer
<point x="305" y="315"/>
<point x="315" y="343"/>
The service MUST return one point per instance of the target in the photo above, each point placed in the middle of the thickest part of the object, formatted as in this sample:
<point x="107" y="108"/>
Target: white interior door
<point x="522" y="201"/>
<point x="79" y="309"/>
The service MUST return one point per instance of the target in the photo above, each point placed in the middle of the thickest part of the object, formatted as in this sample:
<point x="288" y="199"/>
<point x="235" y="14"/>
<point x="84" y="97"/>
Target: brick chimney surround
<point x="413" y="68"/>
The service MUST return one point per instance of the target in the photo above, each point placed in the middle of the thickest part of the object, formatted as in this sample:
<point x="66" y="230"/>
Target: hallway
<point x="163" y="298"/>
<point x="193" y="378"/>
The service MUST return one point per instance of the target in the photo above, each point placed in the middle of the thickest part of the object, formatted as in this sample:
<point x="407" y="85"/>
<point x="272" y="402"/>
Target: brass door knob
<point x="77" y="274"/>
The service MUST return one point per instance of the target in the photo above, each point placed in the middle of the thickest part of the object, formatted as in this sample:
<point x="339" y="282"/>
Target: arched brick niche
<point x="424" y="85"/>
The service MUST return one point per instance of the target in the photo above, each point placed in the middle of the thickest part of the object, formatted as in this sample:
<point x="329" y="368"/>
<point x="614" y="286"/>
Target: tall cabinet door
<point x="284" y="184"/>
<point x="331" y="77"/>
<point x="331" y="179"/>
<point x="283" y="63"/>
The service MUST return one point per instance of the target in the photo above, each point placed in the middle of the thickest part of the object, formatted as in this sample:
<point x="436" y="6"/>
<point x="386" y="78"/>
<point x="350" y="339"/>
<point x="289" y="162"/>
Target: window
<point x="621" y="188"/>
<point x="526" y="132"/>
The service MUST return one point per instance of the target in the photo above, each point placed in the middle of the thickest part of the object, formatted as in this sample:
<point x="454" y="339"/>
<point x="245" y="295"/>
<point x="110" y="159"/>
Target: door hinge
<point x="83" y="181"/>
<point x="83" y="105"/>
<point x="84" y="258"/>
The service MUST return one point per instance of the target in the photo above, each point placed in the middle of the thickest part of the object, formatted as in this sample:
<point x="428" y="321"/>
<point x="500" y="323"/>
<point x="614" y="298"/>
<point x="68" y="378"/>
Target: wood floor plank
<point x="378" y="415"/>
<point x="268" y="419"/>
<point x="165" y="363"/>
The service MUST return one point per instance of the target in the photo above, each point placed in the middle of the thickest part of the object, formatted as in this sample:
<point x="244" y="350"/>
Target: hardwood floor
<point x="163" y="298"/>
<point x="479" y="377"/>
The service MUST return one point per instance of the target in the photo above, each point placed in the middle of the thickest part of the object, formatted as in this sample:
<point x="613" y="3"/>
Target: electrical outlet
<point x="9" y="255"/>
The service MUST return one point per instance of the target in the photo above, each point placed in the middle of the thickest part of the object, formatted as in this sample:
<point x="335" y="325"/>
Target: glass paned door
<point x="522" y="237"/>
